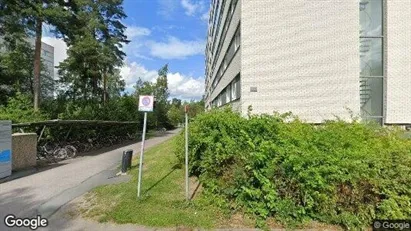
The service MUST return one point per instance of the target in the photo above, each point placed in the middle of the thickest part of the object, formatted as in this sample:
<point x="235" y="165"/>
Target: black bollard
<point x="129" y="154"/>
<point x="126" y="160"/>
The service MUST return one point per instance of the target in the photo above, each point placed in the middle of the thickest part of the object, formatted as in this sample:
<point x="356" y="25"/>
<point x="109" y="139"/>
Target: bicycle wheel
<point x="71" y="151"/>
<point x="60" y="153"/>
<point x="80" y="147"/>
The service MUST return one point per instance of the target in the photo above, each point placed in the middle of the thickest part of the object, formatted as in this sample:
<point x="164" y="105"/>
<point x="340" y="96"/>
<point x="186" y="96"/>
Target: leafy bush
<point x="278" y="166"/>
<point x="118" y="109"/>
<point x="19" y="109"/>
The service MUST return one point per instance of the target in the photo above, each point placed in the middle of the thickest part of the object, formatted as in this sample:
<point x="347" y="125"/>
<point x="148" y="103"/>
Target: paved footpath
<point x="46" y="191"/>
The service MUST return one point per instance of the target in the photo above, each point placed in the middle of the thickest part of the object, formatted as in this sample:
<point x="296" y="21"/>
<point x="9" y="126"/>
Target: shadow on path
<point x="30" y="171"/>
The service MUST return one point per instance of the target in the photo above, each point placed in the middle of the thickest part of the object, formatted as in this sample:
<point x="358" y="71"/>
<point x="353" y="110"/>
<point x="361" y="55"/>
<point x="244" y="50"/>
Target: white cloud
<point x="166" y="28"/>
<point x="60" y="50"/>
<point x="185" y="87"/>
<point x="136" y="49"/>
<point x="167" y="8"/>
<point x="135" y="31"/>
<point x="191" y="8"/>
<point x="180" y="86"/>
<point x="204" y="17"/>
<point x="132" y="71"/>
<point x="47" y="30"/>
<point x="136" y="46"/>
<point x="175" y="48"/>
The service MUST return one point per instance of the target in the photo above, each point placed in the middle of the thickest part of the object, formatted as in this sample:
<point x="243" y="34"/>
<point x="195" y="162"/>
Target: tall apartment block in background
<point x="317" y="59"/>
<point x="47" y="56"/>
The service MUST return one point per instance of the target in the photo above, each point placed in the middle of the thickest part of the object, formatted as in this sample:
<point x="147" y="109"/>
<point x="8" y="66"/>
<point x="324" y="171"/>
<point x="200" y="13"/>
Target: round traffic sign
<point x="146" y="101"/>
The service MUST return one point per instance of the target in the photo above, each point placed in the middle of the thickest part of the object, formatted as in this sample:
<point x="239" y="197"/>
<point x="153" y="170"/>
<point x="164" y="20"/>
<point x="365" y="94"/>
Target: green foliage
<point x="195" y="108"/>
<point x="92" y="30"/>
<point x="162" y="203"/>
<point x="95" y="35"/>
<point x="175" y="115"/>
<point x="16" y="68"/>
<point x="118" y="109"/>
<point x="338" y="172"/>
<point x="19" y="110"/>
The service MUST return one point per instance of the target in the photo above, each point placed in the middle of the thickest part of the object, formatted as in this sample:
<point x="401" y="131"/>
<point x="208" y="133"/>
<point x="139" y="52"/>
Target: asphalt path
<point x="45" y="192"/>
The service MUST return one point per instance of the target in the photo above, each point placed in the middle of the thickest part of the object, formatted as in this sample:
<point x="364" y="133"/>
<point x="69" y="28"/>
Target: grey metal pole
<point x="140" y="169"/>
<point x="187" y="185"/>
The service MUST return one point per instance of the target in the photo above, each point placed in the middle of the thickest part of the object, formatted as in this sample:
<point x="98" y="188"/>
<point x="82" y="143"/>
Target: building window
<point x="230" y="52"/>
<point x="218" y="21"/>
<point x="238" y="88"/>
<point x="237" y="40"/>
<point x="371" y="60"/>
<point x="224" y="32"/>
<point x="371" y="12"/>
<point x="220" y="74"/>
<point x="228" y="93"/>
<point x="225" y="61"/>
<point x="232" y="49"/>
<point x="371" y="97"/>
<point x="371" y="57"/>
<point x="223" y="98"/>
<point x="233" y="91"/>
<point x="235" y="88"/>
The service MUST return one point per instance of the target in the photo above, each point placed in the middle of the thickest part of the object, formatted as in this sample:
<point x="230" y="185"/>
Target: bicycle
<point x="71" y="151"/>
<point x="51" y="155"/>
<point x="162" y="130"/>
<point x="79" y="146"/>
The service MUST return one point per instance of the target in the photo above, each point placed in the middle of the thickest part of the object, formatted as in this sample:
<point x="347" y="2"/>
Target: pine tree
<point x="95" y="48"/>
<point x="24" y="19"/>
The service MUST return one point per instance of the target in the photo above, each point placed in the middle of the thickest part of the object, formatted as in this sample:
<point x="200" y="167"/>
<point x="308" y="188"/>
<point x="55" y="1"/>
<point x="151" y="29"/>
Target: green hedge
<point x="20" y="109"/>
<point x="337" y="173"/>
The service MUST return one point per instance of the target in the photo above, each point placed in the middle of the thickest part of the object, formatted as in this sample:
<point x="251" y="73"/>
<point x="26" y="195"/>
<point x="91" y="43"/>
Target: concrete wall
<point x="236" y="105"/>
<point x="398" y="59"/>
<point x="302" y="55"/>
<point x="24" y="149"/>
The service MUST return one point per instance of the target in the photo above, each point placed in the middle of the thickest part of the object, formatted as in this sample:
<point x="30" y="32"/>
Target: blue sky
<point x="162" y="31"/>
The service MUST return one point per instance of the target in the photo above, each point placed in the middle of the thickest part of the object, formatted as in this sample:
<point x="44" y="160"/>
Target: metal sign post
<point x="140" y="168"/>
<point x="145" y="105"/>
<point x="186" y="156"/>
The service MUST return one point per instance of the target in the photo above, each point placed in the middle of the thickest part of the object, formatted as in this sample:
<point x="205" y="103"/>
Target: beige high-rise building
<point x="318" y="59"/>
<point x="47" y="56"/>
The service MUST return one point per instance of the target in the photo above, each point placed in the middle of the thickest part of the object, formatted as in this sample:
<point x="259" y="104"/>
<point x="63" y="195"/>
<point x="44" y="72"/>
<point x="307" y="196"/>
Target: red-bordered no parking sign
<point x="146" y="103"/>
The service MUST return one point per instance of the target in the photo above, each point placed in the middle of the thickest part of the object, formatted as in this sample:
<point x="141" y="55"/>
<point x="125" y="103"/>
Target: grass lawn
<point x="163" y="196"/>
<point x="163" y="201"/>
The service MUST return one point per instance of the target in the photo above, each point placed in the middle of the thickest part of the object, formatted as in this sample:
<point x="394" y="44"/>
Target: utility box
<point x="5" y="148"/>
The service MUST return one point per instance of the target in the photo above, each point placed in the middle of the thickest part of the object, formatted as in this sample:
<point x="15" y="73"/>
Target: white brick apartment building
<point x="316" y="58"/>
<point x="47" y="56"/>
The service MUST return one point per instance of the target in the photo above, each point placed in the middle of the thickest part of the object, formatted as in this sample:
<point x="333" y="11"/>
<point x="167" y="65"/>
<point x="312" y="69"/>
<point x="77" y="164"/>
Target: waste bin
<point x="126" y="160"/>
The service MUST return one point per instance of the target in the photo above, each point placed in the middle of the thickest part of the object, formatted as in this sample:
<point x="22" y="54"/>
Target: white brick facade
<point x="303" y="56"/>
<point x="398" y="55"/>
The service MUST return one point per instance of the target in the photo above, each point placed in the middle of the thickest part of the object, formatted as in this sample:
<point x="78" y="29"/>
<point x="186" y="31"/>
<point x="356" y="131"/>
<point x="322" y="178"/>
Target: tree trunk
<point x="104" y="88"/>
<point x="37" y="65"/>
